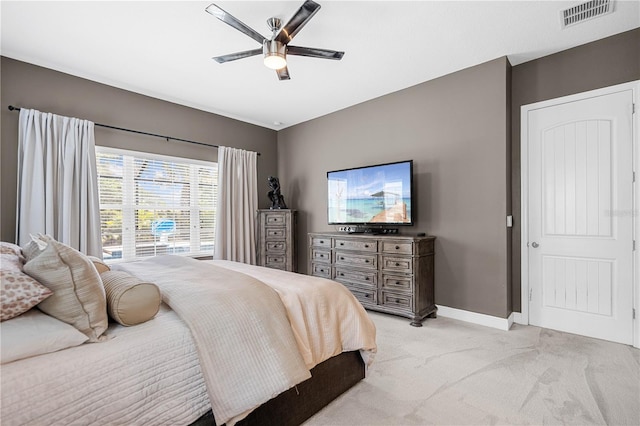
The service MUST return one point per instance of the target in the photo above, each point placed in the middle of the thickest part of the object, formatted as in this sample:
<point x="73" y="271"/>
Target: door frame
<point x="634" y="86"/>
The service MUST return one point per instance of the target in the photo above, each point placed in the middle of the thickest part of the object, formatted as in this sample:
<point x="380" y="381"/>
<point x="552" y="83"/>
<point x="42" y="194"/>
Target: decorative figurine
<point x="277" y="200"/>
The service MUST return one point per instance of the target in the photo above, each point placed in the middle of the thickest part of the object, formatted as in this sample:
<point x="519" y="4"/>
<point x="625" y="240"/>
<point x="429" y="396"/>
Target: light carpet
<point x="449" y="372"/>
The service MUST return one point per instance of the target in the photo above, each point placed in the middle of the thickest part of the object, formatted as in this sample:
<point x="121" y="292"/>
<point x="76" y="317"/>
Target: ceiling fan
<point x="276" y="48"/>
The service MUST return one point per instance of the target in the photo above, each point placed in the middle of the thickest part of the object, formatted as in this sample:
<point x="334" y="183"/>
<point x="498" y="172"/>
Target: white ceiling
<point x="164" y="49"/>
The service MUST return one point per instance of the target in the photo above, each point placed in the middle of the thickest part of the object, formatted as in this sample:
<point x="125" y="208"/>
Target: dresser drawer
<point x="397" y="282"/>
<point x="396" y="300"/>
<point x="275" y="233"/>
<point x="397" y="263"/>
<point x="275" y="246"/>
<point x="321" y="270"/>
<point x="321" y="242"/>
<point x="319" y="255"/>
<point x="370" y="246"/>
<point x="275" y="218"/>
<point x="347" y="275"/>
<point x="276" y="261"/>
<point x="364" y="296"/>
<point x="399" y="247"/>
<point x="356" y="259"/>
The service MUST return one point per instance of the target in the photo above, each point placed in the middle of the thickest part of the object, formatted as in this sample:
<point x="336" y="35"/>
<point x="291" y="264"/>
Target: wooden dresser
<point x="277" y="239"/>
<point x="386" y="273"/>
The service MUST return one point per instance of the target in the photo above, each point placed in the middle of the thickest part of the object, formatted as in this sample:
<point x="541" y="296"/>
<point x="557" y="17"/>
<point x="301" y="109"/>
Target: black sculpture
<point x="277" y="200"/>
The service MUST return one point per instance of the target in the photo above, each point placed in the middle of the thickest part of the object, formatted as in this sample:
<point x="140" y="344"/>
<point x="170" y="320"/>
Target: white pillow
<point x="35" y="333"/>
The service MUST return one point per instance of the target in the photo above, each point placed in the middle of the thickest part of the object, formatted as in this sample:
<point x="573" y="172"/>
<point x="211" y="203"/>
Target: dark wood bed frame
<point x="328" y="380"/>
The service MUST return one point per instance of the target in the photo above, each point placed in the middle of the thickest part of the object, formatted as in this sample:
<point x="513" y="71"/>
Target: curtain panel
<point x="235" y="237"/>
<point x="57" y="181"/>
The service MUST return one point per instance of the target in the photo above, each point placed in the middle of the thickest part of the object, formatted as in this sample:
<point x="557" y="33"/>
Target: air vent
<point x="585" y="11"/>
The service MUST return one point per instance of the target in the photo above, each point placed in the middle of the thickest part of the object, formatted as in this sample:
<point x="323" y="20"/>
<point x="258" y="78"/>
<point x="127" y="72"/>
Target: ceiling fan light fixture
<point x="274" y="54"/>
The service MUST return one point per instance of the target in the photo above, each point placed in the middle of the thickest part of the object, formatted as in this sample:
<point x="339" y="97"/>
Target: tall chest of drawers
<point x="276" y="239"/>
<point x="386" y="273"/>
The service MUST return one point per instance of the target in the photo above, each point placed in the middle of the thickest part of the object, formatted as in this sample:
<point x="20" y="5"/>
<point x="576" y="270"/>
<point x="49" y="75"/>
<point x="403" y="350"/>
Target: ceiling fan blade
<point x="314" y="53"/>
<point x="234" y="22"/>
<point x="283" y="74"/>
<point x="238" y="55"/>
<point x="297" y="21"/>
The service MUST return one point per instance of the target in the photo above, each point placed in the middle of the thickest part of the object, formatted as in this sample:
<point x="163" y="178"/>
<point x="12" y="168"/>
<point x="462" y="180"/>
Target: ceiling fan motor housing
<point x="274" y="54"/>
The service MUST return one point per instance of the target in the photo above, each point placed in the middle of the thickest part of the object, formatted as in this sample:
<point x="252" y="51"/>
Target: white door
<point x="580" y="217"/>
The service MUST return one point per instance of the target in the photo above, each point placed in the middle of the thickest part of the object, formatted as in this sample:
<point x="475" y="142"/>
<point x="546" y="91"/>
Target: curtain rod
<point x="12" y="108"/>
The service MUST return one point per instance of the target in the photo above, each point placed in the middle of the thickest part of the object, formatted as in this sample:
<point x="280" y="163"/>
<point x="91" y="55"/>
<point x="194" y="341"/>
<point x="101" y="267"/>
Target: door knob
<point x="535" y="245"/>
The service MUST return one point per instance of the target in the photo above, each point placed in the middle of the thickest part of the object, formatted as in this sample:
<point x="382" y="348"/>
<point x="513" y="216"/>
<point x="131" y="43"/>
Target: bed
<point x="212" y="353"/>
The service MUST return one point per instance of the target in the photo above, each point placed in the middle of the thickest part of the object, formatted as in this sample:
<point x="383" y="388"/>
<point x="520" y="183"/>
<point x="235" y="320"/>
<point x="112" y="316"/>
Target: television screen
<point x="374" y="195"/>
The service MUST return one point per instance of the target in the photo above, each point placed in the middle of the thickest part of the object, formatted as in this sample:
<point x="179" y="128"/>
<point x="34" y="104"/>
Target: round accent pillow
<point x="130" y="301"/>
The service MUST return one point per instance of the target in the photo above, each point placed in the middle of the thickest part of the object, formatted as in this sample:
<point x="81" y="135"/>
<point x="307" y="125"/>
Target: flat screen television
<point x="380" y="194"/>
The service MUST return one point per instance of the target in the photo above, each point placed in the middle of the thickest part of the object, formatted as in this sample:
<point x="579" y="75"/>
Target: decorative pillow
<point x="10" y="258"/>
<point x="11" y="249"/>
<point x="78" y="296"/>
<point x="99" y="264"/>
<point x="18" y="291"/>
<point x="130" y="301"/>
<point x="34" y="333"/>
<point x="34" y="247"/>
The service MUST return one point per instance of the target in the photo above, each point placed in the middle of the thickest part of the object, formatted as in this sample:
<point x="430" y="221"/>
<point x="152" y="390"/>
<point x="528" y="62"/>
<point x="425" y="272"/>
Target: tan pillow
<point x="99" y="264"/>
<point x="34" y="247"/>
<point x="78" y="296"/>
<point x="130" y="301"/>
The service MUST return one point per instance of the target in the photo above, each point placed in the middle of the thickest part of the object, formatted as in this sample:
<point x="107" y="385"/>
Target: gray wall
<point x="455" y="129"/>
<point x="30" y="86"/>
<point x="603" y="63"/>
<point x="461" y="130"/>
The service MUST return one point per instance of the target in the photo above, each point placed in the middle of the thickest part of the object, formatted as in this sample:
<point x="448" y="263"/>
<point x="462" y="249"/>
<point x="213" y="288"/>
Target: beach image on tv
<point x="379" y="194"/>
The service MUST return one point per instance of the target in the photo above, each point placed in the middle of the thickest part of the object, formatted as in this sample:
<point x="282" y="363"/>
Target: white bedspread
<point x="144" y="375"/>
<point x="241" y="330"/>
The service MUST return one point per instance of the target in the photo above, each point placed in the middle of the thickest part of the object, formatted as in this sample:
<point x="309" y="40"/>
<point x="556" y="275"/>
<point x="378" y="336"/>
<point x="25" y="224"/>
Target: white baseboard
<point x="476" y="318"/>
<point x="517" y="318"/>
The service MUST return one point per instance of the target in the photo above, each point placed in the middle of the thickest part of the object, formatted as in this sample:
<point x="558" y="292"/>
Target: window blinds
<point x="151" y="205"/>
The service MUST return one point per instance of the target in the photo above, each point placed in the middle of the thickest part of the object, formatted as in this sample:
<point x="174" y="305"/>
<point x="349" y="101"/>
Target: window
<point x="152" y="204"/>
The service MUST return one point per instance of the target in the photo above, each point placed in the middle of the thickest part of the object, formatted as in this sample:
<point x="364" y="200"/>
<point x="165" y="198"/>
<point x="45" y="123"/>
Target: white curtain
<point x="237" y="204"/>
<point x="57" y="181"/>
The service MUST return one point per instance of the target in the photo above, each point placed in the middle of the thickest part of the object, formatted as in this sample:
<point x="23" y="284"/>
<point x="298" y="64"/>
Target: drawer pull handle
<point x="342" y="274"/>
<point x="397" y="282"/>
<point x="342" y="258"/>
<point x="366" y="246"/>
<point x="341" y="244"/>
<point x="366" y="279"/>
<point x="367" y="295"/>
<point x="397" y="264"/>
<point x="397" y="300"/>
<point x="366" y="261"/>
<point x="322" y="255"/>
<point x="397" y="247"/>
<point x="321" y="242"/>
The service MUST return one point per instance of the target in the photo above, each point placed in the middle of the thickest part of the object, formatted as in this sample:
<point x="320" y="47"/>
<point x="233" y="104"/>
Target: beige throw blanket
<point x="326" y="318"/>
<point x="245" y="342"/>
